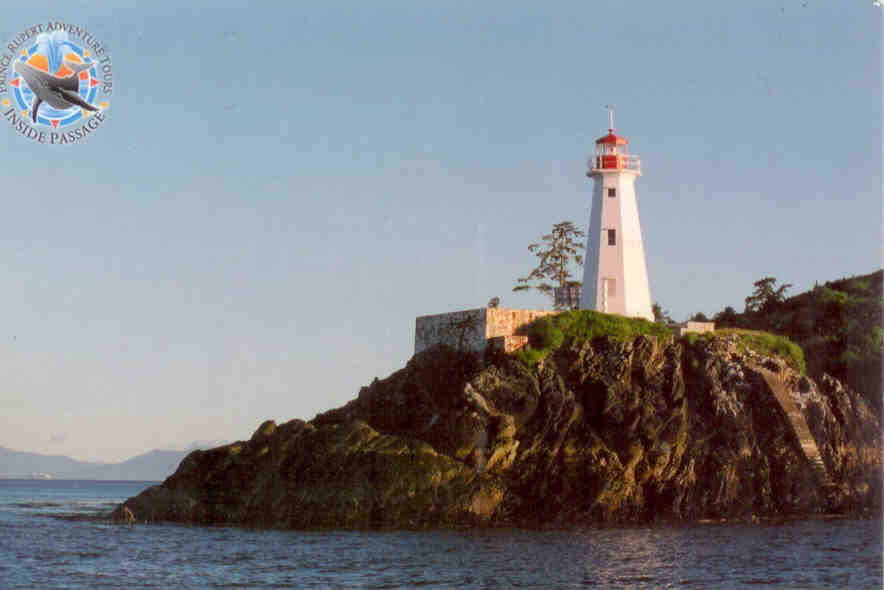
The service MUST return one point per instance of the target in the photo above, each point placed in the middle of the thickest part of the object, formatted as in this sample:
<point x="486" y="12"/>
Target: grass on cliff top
<point x="763" y="343"/>
<point x="550" y="332"/>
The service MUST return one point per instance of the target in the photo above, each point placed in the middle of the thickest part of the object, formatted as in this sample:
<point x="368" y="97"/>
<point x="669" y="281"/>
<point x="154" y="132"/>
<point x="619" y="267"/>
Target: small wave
<point x="90" y="503"/>
<point x="238" y="557"/>
<point x="37" y="505"/>
<point x="765" y="581"/>
<point x="84" y="554"/>
<point x="77" y="517"/>
<point x="635" y="579"/>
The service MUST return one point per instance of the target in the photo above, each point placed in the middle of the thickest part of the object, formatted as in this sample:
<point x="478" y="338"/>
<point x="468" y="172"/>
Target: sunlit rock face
<point x="599" y="432"/>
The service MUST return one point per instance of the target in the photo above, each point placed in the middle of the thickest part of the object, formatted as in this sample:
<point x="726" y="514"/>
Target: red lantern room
<point x="611" y="153"/>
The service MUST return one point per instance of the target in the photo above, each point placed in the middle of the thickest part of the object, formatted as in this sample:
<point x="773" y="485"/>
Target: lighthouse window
<point x="612" y="237"/>
<point x="612" y="192"/>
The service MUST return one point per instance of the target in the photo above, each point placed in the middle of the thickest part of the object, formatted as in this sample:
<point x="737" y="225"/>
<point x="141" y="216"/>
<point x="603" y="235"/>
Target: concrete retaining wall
<point x="472" y="329"/>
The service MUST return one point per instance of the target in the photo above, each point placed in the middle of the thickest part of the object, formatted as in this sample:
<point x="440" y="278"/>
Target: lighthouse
<point x="615" y="275"/>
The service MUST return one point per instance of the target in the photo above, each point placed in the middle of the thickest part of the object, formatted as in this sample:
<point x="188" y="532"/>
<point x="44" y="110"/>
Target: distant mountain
<point x="151" y="466"/>
<point x="206" y="444"/>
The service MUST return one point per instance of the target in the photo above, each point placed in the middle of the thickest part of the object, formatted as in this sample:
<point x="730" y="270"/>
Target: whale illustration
<point x="61" y="93"/>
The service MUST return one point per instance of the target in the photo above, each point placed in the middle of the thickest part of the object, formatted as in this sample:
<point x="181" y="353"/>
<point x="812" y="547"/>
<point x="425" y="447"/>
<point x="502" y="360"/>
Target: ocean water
<point x="49" y="538"/>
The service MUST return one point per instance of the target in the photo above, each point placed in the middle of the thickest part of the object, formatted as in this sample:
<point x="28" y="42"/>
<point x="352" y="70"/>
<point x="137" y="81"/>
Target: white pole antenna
<point x="610" y="115"/>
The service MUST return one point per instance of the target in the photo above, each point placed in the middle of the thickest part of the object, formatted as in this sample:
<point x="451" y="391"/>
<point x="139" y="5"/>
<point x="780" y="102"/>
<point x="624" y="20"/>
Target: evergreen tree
<point x="661" y="316"/>
<point x="767" y="296"/>
<point x="727" y="318"/>
<point x="556" y="251"/>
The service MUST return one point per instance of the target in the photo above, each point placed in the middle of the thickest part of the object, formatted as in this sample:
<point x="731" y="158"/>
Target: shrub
<point x="551" y="332"/>
<point x="771" y="345"/>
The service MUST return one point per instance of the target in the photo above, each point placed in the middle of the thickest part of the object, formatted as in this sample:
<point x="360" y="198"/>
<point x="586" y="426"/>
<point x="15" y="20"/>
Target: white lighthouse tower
<point x="615" y="276"/>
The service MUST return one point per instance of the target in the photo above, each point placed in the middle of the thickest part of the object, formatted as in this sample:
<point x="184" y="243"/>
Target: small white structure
<point x="694" y="327"/>
<point x="615" y="275"/>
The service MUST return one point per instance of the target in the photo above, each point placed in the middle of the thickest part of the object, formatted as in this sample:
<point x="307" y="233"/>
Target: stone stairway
<point x="808" y="444"/>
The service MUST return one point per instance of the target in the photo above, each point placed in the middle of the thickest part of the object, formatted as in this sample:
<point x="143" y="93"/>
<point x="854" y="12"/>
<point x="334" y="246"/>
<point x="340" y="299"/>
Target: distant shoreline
<point x="78" y="479"/>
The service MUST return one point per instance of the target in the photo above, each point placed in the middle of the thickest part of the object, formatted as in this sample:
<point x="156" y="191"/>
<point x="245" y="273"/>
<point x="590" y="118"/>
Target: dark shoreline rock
<point x="600" y="433"/>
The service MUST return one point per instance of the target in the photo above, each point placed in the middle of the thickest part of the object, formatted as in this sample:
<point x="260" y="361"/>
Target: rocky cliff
<point x="600" y="431"/>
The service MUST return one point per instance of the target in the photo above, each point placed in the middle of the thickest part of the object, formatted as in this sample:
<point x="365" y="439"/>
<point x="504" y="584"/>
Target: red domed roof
<point x="610" y="139"/>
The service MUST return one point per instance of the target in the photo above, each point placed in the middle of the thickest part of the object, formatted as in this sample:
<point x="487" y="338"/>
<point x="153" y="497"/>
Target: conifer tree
<point x="556" y="251"/>
<point x="766" y="296"/>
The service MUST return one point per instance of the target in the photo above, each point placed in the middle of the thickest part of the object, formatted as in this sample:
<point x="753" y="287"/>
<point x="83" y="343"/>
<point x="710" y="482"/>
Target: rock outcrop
<point x="601" y="431"/>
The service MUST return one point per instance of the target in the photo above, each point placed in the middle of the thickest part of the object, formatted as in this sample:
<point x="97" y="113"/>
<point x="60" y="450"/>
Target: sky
<point x="281" y="188"/>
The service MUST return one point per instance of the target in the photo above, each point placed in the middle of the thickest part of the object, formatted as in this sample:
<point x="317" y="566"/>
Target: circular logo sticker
<point x="55" y="83"/>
